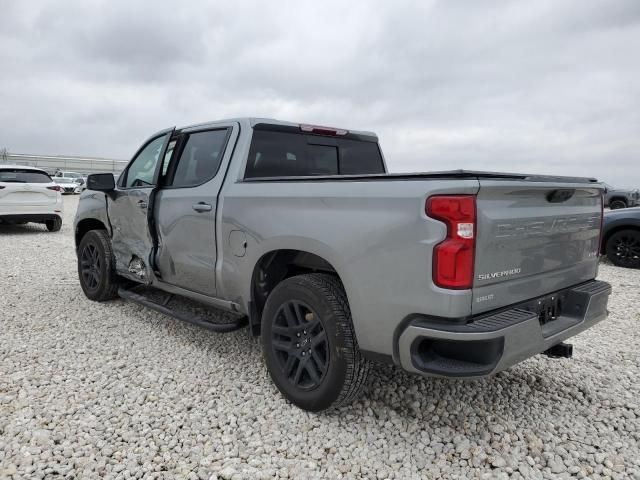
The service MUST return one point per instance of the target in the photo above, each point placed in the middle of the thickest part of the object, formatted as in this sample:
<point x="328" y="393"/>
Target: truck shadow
<point x="24" y="229"/>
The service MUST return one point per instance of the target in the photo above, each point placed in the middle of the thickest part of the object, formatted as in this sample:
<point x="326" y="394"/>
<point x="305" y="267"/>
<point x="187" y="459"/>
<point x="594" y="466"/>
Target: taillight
<point x="601" y="222"/>
<point x="453" y="257"/>
<point x="57" y="188"/>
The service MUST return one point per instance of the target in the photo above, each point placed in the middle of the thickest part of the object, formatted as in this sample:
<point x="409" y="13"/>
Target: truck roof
<point x="253" y="121"/>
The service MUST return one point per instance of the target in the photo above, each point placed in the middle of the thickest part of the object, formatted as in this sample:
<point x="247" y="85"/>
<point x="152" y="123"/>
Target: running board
<point x="163" y="308"/>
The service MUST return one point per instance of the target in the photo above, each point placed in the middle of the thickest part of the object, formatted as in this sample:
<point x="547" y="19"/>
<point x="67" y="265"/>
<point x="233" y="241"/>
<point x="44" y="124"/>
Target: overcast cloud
<point x="542" y="87"/>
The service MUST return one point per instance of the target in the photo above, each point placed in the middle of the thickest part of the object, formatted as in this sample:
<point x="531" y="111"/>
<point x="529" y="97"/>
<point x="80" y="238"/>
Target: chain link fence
<point x="52" y="163"/>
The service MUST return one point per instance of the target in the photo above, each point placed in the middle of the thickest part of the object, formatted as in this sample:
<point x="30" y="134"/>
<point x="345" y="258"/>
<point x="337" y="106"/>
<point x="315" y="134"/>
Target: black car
<point x="621" y="237"/>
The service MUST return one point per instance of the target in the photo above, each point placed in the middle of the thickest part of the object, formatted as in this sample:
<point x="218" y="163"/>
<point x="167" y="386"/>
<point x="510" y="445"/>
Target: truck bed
<point x="439" y="175"/>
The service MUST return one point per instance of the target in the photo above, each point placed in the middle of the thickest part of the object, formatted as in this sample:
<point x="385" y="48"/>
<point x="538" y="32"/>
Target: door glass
<point x="141" y="171"/>
<point x="200" y="158"/>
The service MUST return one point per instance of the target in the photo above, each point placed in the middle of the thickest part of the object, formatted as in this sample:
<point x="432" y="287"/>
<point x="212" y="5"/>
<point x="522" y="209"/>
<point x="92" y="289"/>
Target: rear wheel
<point x="623" y="248"/>
<point x="309" y="345"/>
<point x="616" y="204"/>
<point x="96" y="266"/>
<point x="54" y="225"/>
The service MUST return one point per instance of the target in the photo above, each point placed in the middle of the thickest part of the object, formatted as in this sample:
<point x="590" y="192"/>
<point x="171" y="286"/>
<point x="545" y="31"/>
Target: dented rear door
<point x="533" y="238"/>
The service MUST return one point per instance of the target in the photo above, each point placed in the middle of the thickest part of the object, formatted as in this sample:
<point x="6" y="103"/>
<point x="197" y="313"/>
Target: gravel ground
<point x="113" y="390"/>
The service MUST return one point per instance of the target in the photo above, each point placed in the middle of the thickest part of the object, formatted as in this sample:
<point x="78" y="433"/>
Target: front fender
<point x="92" y="206"/>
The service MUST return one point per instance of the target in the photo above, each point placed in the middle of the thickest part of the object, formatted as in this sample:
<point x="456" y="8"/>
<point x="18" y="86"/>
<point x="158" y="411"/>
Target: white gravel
<point x="113" y="390"/>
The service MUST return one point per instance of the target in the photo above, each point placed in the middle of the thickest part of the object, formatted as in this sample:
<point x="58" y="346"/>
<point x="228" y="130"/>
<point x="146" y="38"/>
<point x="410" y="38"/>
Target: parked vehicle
<point x="333" y="261"/>
<point x="28" y="194"/>
<point x="68" y="185"/>
<point x="621" y="237"/>
<point x="619" y="198"/>
<point x="78" y="177"/>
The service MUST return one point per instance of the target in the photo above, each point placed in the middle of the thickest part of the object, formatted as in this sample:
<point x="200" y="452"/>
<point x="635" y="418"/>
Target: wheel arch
<point x="275" y="266"/>
<point x="86" y="225"/>
<point x="615" y="198"/>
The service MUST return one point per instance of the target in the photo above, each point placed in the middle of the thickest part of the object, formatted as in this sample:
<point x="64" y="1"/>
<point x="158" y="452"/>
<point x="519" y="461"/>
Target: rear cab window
<point x="283" y="151"/>
<point x="19" y="175"/>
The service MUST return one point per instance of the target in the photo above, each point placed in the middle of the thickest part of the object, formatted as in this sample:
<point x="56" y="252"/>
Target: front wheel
<point x="623" y="248"/>
<point x="96" y="266"/>
<point x="309" y="344"/>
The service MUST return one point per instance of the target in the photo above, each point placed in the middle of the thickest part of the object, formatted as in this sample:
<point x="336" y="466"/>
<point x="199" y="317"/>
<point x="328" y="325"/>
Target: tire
<point x="318" y="318"/>
<point x="623" y="248"/>
<point x="96" y="267"/>
<point x="54" y="225"/>
<point x="616" y="204"/>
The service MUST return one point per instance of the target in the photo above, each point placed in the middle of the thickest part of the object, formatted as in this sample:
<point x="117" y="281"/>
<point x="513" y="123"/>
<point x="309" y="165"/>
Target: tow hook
<point x="561" y="350"/>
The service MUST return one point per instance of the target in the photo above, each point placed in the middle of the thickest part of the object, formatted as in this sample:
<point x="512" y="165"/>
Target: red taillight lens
<point x="601" y="222"/>
<point x="453" y="257"/>
<point x="57" y="188"/>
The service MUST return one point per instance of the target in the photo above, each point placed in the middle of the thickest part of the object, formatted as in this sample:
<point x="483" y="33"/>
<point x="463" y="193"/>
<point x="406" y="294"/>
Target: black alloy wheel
<point x="90" y="266"/>
<point x="617" y="204"/>
<point x="623" y="248"/>
<point x="299" y="344"/>
<point x="309" y="344"/>
<point x="96" y="270"/>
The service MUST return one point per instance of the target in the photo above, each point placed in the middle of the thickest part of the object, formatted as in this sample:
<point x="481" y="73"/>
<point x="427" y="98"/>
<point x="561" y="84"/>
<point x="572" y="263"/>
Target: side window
<point x="142" y="169"/>
<point x="200" y="158"/>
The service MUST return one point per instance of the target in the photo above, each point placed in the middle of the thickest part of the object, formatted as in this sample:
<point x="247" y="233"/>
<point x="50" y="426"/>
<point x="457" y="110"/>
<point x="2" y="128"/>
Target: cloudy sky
<point x="544" y="86"/>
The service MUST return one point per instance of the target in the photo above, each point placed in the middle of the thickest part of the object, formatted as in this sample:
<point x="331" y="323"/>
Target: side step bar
<point x="163" y="308"/>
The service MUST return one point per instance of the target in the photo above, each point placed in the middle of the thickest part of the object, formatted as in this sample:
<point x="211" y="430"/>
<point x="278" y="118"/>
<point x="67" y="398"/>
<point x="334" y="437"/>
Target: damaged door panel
<point x="129" y="210"/>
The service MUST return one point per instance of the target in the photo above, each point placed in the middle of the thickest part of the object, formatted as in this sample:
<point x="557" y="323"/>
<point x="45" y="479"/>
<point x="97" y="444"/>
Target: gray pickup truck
<point x="616" y="198"/>
<point x="300" y="233"/>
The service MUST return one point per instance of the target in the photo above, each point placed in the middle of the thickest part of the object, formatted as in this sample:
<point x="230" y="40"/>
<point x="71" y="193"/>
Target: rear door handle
<point x="142" y="204"/>
<point x="202" y="207"/>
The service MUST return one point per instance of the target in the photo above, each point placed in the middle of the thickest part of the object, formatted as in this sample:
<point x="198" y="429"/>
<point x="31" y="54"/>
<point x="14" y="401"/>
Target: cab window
<point x="200" y="158"/>
<point x="142" y="170"/>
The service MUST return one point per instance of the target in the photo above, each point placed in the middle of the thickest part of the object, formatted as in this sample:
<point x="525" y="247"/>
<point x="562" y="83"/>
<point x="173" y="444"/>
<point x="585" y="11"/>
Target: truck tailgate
<point x="533" y="238"/>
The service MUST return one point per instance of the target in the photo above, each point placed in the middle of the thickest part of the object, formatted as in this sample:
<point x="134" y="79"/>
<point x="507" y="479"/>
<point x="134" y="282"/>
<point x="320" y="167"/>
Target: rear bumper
<point x="29" y="217"/>
<point x="491" y="343"/>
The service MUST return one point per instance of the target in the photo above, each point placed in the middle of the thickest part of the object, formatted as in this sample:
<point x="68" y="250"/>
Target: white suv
<point x="28" y="194"/>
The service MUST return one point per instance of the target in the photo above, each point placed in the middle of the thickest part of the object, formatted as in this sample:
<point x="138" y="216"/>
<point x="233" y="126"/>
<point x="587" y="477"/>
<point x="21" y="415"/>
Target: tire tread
<point x="108" y="291"/>
<point x="357" y="366"/>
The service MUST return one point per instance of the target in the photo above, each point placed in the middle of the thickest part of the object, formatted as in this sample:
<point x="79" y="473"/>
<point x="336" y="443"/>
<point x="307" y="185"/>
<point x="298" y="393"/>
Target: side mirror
<point x="101" y="182"/>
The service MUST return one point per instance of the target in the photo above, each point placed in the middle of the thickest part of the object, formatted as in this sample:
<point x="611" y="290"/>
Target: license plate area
<point x="547" y="308"/>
